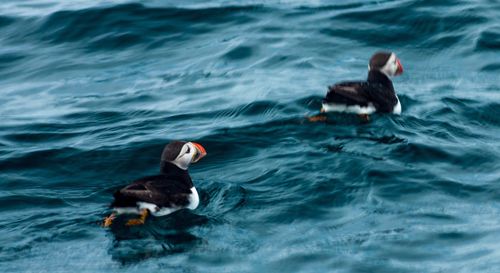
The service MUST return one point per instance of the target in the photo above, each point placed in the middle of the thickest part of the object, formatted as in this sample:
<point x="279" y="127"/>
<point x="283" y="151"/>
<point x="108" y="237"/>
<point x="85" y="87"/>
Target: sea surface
<point x="91" y="91"/>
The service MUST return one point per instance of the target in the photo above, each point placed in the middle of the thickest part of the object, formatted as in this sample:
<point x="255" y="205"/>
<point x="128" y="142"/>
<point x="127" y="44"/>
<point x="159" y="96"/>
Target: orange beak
<point x="399" y="70"/>
<point x="201" y="153"/>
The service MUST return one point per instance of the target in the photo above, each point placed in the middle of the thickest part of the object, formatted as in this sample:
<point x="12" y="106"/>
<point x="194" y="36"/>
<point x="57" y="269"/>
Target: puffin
<point x="375" y="95"/>
<point x="164" y="193"/>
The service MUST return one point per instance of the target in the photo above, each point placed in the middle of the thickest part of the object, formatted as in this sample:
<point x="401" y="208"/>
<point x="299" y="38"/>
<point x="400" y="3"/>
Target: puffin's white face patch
<point x="185" y="156"/>
<point x="391" y="67"/>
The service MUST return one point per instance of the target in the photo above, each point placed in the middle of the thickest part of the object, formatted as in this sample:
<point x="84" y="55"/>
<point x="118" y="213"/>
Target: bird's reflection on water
<point x="158" y="237"/>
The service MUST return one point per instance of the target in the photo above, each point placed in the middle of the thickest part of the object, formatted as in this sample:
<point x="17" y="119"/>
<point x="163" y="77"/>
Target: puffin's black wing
<point x="348" y="93"/>
<point x="362" y="93"/>
<point x="161" y="190"/>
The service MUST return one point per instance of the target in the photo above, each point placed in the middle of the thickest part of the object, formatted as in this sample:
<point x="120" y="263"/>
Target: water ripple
<point x="91" y="92"/>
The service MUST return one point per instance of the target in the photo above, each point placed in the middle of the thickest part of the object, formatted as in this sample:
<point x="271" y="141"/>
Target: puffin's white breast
<point x="355" y="109"/>
<point x="193" y="200"/>
<point x="397" y="108"/>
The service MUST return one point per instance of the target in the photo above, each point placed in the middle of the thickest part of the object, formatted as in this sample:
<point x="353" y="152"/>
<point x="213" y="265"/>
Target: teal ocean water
<point x="91" y="91"/>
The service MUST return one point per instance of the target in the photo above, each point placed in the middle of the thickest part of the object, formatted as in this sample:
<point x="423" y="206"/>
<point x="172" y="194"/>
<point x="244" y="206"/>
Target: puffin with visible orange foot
<point x="161" y="194"/>
<point x="376" y="94"/>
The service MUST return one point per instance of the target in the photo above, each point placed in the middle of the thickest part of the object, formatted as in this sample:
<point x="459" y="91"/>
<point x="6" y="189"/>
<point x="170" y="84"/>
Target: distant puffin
<point x="376" y="94"/>
<point x="161" y="194"/>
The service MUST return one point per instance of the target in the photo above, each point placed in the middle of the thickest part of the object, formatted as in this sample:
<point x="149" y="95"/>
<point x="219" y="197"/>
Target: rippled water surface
<point x="91" y="91"/>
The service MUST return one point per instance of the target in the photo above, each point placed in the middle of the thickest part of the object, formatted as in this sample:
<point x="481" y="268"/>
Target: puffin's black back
<point x="377" y="90"/>
<point x="170" y="188"/>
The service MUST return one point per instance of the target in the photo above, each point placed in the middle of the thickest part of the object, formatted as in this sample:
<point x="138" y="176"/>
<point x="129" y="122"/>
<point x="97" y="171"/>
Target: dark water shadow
<point x="158" y="237"/>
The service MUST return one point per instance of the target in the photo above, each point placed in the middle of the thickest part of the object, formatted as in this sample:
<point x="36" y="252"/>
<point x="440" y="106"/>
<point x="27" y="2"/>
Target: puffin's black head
<point x="182" y="153"/>
<point x="387" y="63"/>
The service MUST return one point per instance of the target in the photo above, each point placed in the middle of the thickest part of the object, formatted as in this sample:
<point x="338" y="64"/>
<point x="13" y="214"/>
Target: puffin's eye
<point x="188" y="150"/>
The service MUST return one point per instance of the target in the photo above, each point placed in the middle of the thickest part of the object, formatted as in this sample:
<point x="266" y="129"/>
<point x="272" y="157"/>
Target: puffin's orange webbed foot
<point x="317" y="118"/>
<point x="139" y="221"/>
<point x="134" y="222"/>
<point x="364" y="117"/>
<point x="108" y="221"/>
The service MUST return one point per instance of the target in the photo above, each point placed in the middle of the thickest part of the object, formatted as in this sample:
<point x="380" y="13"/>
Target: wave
<point x="128" y="25"/>
<point x="122" y="26"/>
<point x="90" y="96"/>
<point x="489" y="40"/>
